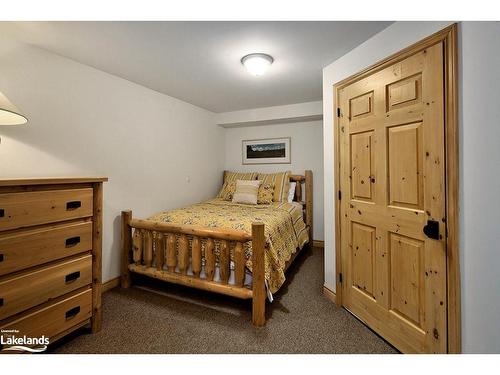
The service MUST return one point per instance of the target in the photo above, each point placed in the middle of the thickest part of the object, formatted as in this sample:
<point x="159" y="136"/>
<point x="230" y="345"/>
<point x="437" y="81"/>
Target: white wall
<point x="479" y="83"/>
<point x="306" y="153"/>
<point x="480" y="185"/>
<point x="282" y="114"/>
<point x="86" y="122"/>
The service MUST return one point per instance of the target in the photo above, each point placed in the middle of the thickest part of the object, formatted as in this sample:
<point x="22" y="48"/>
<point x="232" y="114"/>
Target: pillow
<point x="228" y="190"/>
<point x="265" y="194"/>
<point x="291" y="192"/>
<point x="281" y="183"/>
<point x="233" y="177"/>
<point x="246" y="191"/>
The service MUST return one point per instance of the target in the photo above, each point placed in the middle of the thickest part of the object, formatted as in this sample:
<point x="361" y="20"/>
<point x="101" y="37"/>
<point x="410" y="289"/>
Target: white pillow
<point x="246" y="191"/>
<point x="291" y="192"/>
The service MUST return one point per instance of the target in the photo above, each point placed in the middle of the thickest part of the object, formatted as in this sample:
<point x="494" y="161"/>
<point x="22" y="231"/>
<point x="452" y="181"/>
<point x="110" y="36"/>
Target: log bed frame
<point x="139" y="254"/>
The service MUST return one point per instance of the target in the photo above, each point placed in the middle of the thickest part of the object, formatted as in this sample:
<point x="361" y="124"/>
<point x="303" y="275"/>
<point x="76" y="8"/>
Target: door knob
<point x="431" y="230"/>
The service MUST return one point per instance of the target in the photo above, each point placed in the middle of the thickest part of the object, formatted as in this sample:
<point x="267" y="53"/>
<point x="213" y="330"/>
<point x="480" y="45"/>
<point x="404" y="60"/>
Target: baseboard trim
<point x="110" y="284"/>
<point x="330" y="294"/>
<point x="317" y="243"/>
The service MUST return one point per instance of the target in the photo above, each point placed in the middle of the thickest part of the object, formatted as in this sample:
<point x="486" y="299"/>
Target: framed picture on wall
<point x="266" y="151"/>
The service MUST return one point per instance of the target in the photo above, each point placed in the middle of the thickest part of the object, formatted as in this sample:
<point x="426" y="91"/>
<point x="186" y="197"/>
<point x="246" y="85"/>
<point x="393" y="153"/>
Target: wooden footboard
<point x="163" y="251"/>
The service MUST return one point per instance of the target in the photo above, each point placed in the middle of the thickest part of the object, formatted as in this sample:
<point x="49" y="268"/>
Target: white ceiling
<point x="199" y="62"/>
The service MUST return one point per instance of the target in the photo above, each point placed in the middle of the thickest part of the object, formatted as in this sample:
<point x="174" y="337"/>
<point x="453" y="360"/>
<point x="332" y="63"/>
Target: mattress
<point x="285" y="230"/>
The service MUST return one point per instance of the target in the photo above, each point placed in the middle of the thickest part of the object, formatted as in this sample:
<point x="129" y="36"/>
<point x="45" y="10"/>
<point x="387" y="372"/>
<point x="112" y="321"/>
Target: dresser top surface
<point x="50" y="180"/>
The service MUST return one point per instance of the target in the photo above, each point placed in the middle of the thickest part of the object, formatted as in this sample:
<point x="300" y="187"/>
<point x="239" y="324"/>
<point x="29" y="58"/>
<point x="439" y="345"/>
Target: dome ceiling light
<point x="257" y="64"/>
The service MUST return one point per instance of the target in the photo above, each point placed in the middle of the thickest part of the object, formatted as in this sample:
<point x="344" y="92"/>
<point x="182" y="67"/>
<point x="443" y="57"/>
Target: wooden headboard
<point x="304" y="184"/>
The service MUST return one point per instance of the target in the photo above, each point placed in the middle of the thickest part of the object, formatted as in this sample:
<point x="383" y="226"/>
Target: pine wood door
<point x="392" y="181"/>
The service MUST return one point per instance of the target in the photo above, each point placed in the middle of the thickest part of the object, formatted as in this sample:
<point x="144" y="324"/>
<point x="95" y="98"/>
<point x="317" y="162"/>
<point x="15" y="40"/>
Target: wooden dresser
<point x="50" y="255"/>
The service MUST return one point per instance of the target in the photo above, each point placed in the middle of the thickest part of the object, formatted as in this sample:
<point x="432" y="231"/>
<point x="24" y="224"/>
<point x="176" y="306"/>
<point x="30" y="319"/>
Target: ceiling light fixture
<point x="257" y="64"/>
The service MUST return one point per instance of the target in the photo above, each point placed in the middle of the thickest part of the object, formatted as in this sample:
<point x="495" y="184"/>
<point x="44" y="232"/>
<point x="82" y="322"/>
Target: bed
<point x="234" y="249"/>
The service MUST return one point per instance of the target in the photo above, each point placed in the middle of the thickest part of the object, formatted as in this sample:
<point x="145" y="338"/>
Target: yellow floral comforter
<point x="285" y="230"/>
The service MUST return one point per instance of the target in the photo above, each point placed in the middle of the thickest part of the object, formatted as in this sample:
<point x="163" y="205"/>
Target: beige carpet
<point x="181" y="320"/>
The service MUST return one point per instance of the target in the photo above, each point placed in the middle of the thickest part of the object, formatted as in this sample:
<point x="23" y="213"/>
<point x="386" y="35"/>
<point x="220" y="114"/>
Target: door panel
<point x="361" y="164"/>
<point x="404" y="92"/>
<point x="405" y="165"/>
<point x="407" y="280"/>
<point x="363" y="243"/>
<point x="362" y="105"/>
<point x="391" y="150"/>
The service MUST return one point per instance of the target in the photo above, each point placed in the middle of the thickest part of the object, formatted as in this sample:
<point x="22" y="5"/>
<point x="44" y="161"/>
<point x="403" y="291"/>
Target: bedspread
<point x="285" y="230"/>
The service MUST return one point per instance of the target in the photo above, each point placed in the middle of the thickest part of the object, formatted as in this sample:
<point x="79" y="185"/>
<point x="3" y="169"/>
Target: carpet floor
<point x="164" y="318"/>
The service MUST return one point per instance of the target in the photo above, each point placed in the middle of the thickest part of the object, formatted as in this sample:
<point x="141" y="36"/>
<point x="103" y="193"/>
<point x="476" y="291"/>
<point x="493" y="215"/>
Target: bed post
<point x="309" y="204"/>
<point x="258" y="274"/>
<point x="126" y="248"/>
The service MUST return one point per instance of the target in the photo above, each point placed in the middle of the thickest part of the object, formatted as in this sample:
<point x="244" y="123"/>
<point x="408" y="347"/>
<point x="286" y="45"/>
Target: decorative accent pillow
<point x="291" y="192"/>
<point x="246" y="191"/>
<point x="281" y="183"/>
<point x="228" y="190"/>
<point x="233" y="177"/>
<point x="265" y="194"/>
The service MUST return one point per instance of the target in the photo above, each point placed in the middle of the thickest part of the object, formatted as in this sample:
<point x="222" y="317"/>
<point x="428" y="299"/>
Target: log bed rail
<point x="167" y="252"/>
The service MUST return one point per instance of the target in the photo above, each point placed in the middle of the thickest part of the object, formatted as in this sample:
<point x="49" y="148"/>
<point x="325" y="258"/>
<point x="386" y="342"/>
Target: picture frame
<point x="266" y="151"/>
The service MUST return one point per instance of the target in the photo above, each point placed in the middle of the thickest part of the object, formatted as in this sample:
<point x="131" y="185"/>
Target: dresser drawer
<point x="19" y="210"/>
<point x="37" y="246"/>
<point x="54" y="319"/>
<point x="27" y="290"/>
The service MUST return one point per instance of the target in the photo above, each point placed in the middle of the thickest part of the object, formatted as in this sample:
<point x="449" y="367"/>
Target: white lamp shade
<point x="9" y="113"/>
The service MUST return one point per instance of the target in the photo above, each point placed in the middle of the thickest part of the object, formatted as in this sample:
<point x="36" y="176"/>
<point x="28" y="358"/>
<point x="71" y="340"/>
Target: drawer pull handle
<point x="1" y="257"/>
<point x="73" y="241"/>
<point x="2" y="212"/>
<point x="72" y="312"/>
<point x="73" y="205"/>
<point x="72" y="276"/>
<point x="1" y="302"/>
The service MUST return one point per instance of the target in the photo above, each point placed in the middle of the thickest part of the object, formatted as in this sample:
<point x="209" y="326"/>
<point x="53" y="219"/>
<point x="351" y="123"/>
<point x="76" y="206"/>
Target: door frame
<point x="449" y="38"/>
